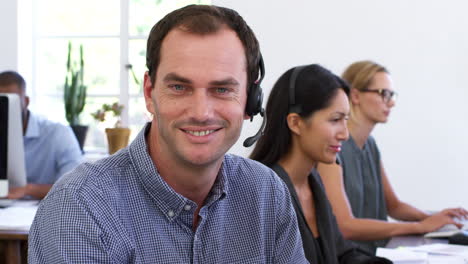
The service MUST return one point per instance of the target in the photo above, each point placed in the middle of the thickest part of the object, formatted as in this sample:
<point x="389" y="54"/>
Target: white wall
<point x="423" y="43"/>
<point x="8" y="35"/>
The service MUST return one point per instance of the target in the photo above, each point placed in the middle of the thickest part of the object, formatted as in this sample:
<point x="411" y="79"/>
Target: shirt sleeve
<point x="68" y="154"/>
<point x="65" y="230"/>
<point x="289" y="247"/>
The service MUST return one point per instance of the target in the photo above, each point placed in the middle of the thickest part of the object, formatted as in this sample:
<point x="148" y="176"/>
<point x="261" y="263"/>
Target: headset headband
<point x="293" y="108"/>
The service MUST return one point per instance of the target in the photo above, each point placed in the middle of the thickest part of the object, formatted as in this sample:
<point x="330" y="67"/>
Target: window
<point x="113" y="34"/>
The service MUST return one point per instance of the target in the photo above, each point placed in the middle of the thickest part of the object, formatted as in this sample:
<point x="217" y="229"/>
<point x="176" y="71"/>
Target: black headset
<point x="255" y="95"/>
<point x="254" y="104"/>
<point x="293" y="108"/>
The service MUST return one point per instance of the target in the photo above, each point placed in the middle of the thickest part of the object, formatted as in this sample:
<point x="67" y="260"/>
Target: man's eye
<point x="178" y="87"/>
<point x="221" y="90"/>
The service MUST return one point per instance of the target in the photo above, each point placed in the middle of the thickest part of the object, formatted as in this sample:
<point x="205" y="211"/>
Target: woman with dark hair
<point x="359" y="189"/>
<point x="306" y="123"/>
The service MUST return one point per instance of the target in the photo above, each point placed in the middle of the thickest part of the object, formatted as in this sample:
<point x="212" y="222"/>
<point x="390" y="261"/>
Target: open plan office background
<point x="424" y="45"/>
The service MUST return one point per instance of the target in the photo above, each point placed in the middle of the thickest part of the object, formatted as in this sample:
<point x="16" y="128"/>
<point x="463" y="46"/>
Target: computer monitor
<point x="12" y="169"/>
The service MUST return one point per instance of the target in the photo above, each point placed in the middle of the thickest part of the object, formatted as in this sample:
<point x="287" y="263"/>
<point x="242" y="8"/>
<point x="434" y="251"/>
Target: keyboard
<point x="4" y="203"/>
<point x="448" y="230"/>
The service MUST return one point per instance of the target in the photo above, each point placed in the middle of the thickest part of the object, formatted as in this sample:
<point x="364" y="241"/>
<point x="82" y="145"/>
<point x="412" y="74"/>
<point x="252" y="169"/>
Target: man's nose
<point x="201" y="105"/>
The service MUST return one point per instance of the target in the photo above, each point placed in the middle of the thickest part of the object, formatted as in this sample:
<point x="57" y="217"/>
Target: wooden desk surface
<point x="21" y="235"/>
<point x="14" y="238"/>
<point x="13" y="246"/>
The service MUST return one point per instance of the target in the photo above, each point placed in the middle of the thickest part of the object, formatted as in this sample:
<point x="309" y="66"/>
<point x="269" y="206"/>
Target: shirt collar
<point x="32" y="131"/>
<point x="166" y="199"/>
<point x="220" y="186"/>
<point x="355" y="146"/>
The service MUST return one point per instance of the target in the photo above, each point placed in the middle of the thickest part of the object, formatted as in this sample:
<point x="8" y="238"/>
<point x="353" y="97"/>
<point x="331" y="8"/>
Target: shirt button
<point x="187" y="207"/>
<point x="170" y="213"/>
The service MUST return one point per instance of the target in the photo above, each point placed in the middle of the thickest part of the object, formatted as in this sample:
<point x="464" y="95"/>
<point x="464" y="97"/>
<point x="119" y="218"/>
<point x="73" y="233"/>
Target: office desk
<point x="14" y="244"/>
<point x="414" y="241"/>
<point x="14" y="228"/>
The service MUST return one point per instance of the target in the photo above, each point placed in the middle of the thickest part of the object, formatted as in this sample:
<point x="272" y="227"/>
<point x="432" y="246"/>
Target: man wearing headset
<point x="174" y="195"/>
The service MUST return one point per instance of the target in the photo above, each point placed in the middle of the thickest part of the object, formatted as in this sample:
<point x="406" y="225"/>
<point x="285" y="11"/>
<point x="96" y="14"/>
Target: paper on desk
<point x="17" y="218"/>
<point x="444" y="249"/>
<point x="439" y="259"/>
<point x="403" y="256"/>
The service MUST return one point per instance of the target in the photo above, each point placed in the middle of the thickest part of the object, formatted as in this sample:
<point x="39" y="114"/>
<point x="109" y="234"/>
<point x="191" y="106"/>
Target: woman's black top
<point x="331" y="248"/>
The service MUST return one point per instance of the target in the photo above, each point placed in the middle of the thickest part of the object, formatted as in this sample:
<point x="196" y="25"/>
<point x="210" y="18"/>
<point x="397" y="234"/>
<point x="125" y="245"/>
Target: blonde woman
<point x="359" y="189"/>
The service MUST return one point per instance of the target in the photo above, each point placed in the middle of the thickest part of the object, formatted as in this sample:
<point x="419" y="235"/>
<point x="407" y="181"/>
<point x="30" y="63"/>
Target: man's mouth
<point x="200" y="133"/>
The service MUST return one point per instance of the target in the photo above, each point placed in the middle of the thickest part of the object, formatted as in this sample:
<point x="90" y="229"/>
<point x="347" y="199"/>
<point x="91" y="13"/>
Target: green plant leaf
<point x="75" y="91"/>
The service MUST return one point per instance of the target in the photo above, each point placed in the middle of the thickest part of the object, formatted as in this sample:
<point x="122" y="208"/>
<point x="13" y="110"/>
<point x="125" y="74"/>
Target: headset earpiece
<point x="254" y="104"/>
<point x="254" y="100"/>
<point x="255" y="94"/>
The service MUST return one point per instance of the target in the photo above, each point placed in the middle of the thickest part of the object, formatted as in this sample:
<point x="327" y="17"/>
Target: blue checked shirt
<point x="119" y="210"/>
<point x="50" y="150"/>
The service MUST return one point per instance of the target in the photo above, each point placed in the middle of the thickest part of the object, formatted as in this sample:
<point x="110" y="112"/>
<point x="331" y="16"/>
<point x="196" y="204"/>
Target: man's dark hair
<point x="203" y="20"/>
<point x="12" y="77"/>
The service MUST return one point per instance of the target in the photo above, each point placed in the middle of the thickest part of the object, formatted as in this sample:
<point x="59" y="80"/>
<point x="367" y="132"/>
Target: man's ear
<point x="294" y="122"/>
<point x="354" y="96"/>
<point x="147" y="91"/>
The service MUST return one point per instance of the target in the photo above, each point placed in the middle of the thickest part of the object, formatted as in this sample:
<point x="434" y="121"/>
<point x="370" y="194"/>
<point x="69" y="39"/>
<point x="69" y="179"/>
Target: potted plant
<point x="74" y="95"/>
<point x="118" y="136"/>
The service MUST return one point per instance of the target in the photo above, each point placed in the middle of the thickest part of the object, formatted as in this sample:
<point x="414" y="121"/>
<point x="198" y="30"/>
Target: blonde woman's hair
<point x="359" y="74"/>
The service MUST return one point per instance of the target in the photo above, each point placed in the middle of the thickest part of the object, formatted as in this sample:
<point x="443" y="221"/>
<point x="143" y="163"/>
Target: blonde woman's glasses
<point x="386" y="94"/>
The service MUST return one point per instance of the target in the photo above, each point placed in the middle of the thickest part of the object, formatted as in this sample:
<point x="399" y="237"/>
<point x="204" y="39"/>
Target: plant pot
<point x="117" y="138"/>
<point x="80" y="134"/>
